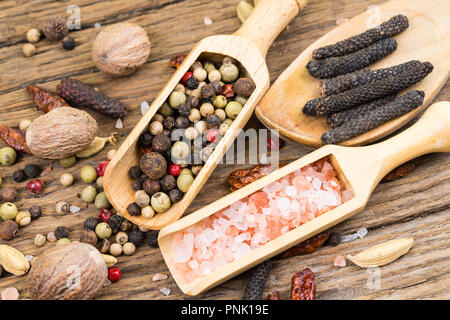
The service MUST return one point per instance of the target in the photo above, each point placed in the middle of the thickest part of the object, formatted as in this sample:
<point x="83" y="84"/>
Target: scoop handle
<point x="431" y="133"/>
<point x="267" y="20"/>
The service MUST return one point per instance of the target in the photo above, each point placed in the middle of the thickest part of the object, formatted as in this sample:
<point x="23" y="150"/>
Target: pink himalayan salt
<point x="10" y="294"/>
<point x="159" y="277"/>
<point x="340" y="262"/>
<point x="251" y="222"/>
<point x="51" y="237"/>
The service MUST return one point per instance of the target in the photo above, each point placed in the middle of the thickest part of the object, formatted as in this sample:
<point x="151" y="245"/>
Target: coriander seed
<point x="88" y="174"/>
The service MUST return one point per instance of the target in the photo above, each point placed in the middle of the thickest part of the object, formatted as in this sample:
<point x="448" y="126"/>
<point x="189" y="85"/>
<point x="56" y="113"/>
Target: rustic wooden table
<point x="417" y="206"/>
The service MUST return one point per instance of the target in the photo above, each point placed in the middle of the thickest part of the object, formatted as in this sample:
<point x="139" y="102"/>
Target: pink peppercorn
<point x="186" y="77"/>
<point x="114" y="274"/>
<point x="273" y="144"/>
<point x="174" y="170"/>
<point x="101" y="168"/>
<point x="211" y="135"/>
<point x="35" y="186"/>
<point x="104" y="215"/>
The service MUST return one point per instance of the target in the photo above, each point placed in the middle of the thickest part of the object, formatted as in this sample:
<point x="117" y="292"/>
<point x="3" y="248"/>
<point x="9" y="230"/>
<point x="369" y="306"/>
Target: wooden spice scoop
<point x="426" y="39"/>
<point x="358" y="168"/>
<point x="249" y="46"/>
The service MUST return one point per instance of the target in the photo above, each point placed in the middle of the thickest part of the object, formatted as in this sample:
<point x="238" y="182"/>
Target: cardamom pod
<point x="383" y="253"/>
<point x="13" y="261"/>
<point x="244" y="10"/>
<point x="109" y="260"/>
<point x="96" y="146"/>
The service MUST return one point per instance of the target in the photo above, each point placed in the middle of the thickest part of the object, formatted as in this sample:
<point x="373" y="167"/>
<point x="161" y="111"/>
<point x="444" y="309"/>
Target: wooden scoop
<point x="426" y="39"/>
<point x="359" y="169"/>
<point x="249" y="46"/>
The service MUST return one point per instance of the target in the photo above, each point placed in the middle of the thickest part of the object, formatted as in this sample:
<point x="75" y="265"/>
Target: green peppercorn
<point x="8" y="211"/>
<point x="176" y="99"/>
<point x="186" y="171"/>
<point x="101" y="201"/>
<point x="8" y="156"/>
<point x="229" y="72"/>
<point x="241" y="100"/>
<point x="88" y="194"/>
<point x="160" y="202"/>
<point x="228" y="121"/>
<point x="68" y="162"/>
<point x="103" y="230"/>
<point x="62" y="241"/>
<point x="232" y="109"/>
<point x="184" y="181"/>
<point x="166" y="110"/>
<point x="88" y="174"/>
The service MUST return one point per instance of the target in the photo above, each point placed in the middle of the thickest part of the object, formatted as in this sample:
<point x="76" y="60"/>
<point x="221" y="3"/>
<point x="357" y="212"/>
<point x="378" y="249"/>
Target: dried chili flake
<point x="176" y="61"/>
<point x="256" y="284"/>
<point x="380" y="115"/>
<point x="80" y="95"/>
<point x="303" y="285"/>
<point x="371" y="91"/>
<point x="306" y="247"/>
<point x="339" y="118"/>
<point x="242" y="177"/>
<point x="361" y="77"/>
<point x="335" y="66"/>
<point x="14" y="138"/>
<point x="46" y="101"/>
<point x="390" y="28"/>
<point x="399" y="172"/>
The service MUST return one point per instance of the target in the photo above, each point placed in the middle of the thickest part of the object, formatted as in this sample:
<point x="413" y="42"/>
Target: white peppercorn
<point x="201" y="126"/>
<point x="28" y="50"/>
<point x="115" y="249"/>
<point x="220" y="113"/>
<point x="158" y="117"/>
<point x="62" y="207"/>
<point x="39" y="240"/>
<point x="129" y="248"/>
<point x="33" y="35"/>
<point x="180" y="88"/>
<point x="214" y="75"/>
<point x="148" y="212"/>
<point x="66" y="179"/>
<point x="194" y="115"/>
<point x="156" y="128"/>
<point x="200" y="74"/>
<point x="121" y="237"/>
<point x="111" y="153"/>
<point x="24" y="124"/>
<point x="23" y="218"/>
<point x="142" y="198"/>
<point x="223" y="129"/>
<point x="191" y="133"/>
<point x="206" y="109"/>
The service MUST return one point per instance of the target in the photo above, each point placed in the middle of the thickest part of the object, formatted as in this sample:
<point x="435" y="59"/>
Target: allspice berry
<point x="8" y="194"/>
<point x="161" y="143"/>
<point x="8" y="230"/>
<point x="120" y="49"/>
<point x="55" y="28"/>
<point x="61" y="232"/>
<point x="33" y="35"/>
<point x="35" y="212"/>
<point x="151" y="186"/>
<point x="88" y="236"/>
<point x="244" y="87"/>
<point x="153" y="165"/>
<point x="28" y="50"/>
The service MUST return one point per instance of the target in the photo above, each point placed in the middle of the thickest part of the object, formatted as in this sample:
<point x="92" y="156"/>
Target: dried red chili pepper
<point x="273" y="295"/>
<point x="14" y="138"/>
<point x="303" y="285"/>
<point x="306" y="247"/>
<point x="242" y="177"/>
<point x="46" y="101"/>
<point x="399" y="172"/>
<point x="176" y="61"/>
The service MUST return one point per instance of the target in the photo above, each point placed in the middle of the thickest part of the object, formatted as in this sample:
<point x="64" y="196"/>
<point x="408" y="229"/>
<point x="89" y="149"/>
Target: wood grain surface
<point x="417" y="206"/>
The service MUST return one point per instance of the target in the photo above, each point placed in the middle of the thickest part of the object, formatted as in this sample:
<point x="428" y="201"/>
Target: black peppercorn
<point x="184" y="110"/>
<point x="168" y="182"/>
<point x="35" y="212"/>
<point x="151" y="186"/>
<point x="207" y="92"/>
<point x="90" y="223"/>
<point x="217" y="87"/>
<point x="161" y="143"/>
<point x="19" y="176"/>
<point x="192" y="101"/>
<point x="175" y="195"/>
<point x="134" y="172"/>
<point x="152" y="239"/>
<point x="137" y="237"/>
<point x="68" y="43"/>
<point x="213" y="122"/>
<point x="145" y="139"/>
<point x="192" y="83"/>
<point x="169" y="123"/>
<point x="32" y="171"/>
<point x="334" y="239"/>
<point x="182" y="122"/>
<point x="115" y="221"/>
<point x="142" y="178"/>
<point x="55" y="28"/>
<point x="137" y="185"/>
<point x="61" y="232"/>
<point x="134" y="209"/>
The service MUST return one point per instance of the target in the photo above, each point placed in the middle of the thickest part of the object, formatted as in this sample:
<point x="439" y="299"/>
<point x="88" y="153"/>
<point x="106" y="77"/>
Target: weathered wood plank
<point x="414" y="206"/>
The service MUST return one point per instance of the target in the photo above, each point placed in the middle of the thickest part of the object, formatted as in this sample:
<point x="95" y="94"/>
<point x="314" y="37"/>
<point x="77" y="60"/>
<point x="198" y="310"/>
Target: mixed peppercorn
<point x="184" y="133"/>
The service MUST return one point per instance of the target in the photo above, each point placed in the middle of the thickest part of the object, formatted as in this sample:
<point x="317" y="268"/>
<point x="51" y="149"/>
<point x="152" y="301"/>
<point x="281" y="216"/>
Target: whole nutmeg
<point x="88" y="236"/>
<point x="55" y="28"/>
<point x="8" y="194"/>
<point x="121" y="49"/>
<point x="8" y="230"/>
<point x="244" y="87"/>
<point x="153" y="165"/>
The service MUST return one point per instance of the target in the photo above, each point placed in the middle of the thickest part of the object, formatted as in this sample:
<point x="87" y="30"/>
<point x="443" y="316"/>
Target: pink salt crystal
<point x="51" y="237"/>
<point x="159" y="277"/>
<point x="340" y="261"/>
<point x="10" y="293"/>
<point x="242" y="251"/>
<point x="165" y="291"/>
